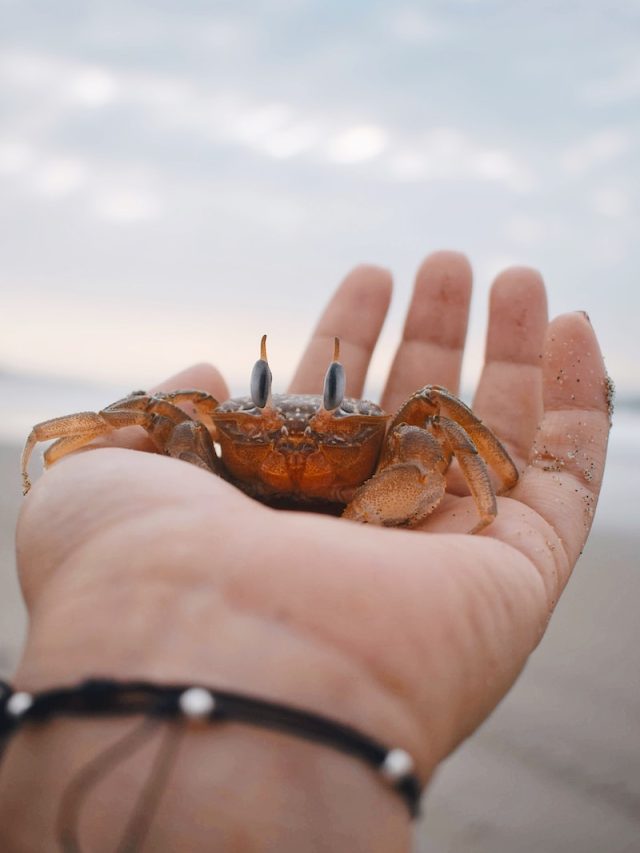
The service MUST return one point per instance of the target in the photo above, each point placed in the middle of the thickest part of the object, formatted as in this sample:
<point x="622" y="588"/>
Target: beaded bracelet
<point x="105" y="697"/>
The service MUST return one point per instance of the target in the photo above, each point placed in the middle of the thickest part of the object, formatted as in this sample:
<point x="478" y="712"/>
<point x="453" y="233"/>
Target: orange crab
<point x="305" y="449"/>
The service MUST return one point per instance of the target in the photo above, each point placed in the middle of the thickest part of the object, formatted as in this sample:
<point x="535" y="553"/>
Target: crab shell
<point x="294" y="448"/>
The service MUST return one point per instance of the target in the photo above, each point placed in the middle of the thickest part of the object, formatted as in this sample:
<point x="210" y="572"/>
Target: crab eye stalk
<point x="261" y="378"/>
<point x="334" y="381"/>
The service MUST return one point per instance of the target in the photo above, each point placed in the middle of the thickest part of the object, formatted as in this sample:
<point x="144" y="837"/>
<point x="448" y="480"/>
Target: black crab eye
<point x="334" y="381"/>
<point x="261" y="378"/>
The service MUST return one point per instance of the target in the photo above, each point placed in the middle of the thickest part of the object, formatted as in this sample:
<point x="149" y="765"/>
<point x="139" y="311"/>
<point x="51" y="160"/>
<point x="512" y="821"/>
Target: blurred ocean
<point x="28" y="399"/>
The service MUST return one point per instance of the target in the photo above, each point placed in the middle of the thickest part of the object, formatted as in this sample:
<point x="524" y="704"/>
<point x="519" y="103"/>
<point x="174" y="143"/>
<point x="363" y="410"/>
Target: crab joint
<point x="261" y="378"/>
<point x="334" y="381"/>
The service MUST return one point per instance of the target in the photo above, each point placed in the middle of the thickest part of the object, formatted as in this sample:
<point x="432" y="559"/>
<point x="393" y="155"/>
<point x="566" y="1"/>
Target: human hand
<point x="137" y="565"/>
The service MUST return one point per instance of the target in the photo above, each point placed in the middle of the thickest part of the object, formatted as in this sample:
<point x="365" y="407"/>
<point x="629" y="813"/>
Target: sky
<point x="178" y="178"/>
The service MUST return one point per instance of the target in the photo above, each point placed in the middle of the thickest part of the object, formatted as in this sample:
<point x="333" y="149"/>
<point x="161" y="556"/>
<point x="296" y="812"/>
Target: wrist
<point x="226" y="783"/>
<point x="297" y="793"/>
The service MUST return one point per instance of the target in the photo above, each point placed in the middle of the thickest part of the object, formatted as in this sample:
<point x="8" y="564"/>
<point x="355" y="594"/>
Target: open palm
<point x="155" y="568"/>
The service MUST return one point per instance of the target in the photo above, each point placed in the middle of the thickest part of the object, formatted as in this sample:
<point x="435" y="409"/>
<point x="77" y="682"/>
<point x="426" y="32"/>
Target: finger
<point x="509" y="395"/>
<point x="355" y="314"/>
<point x="563" y="477"/>
<point x="203" y="377"/>
<point x="435" y="329"/>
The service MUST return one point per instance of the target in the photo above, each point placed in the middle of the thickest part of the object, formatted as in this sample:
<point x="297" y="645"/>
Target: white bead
<point x="196" y="702"/>
<point x="18" y="704"/>
<point x="397" y="764"/>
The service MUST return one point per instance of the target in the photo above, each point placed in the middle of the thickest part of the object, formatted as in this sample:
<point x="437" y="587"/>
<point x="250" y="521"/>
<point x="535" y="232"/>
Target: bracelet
<point x="105" y="697"/>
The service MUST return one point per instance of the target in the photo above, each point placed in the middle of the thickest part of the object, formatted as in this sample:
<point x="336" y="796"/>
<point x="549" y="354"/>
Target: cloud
<point x="127" y="205"/>
<point x="271" y="129"/>
<point x="357" y="144"/>
<point x="596" y="150"/>
<point x="411" y="25"/>
<point x="446" y="153"/>
<point x="94" y="87"/>
<point x="611" y="202"/>
<point x="55" y="88"/>
<point x="525" y="230"/>
<point x="15" y="157"/>
<point x="73" y="84"/>
<point x="624" y="85"/>
<point x="113" y="193"/>
<point x="59" y="176"/>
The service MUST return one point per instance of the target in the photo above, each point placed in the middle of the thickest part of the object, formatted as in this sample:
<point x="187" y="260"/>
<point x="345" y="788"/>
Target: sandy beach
<point x="557" y="767"/>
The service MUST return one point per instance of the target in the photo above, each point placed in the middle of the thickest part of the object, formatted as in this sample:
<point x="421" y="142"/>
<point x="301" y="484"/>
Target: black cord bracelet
<point x="104" y="697"/>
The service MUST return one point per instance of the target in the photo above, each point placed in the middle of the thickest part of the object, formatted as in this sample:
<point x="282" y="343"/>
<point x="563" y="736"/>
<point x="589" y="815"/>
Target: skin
<point x="137" y="565"/>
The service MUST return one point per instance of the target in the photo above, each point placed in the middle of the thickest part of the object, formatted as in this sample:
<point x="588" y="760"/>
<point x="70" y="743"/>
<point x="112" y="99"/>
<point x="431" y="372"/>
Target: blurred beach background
<point x="177" y="178"/>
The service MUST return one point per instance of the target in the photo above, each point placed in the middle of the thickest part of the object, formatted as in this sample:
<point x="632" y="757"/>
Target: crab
<point x="310" y="449"/>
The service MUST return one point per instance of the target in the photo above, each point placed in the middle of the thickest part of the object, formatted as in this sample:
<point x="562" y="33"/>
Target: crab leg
<point x="433" y="400"/>
<point x="456" y="441"/>
<point x="203" y="404"/>
<point x="61" y="447"/>
<point x="409" y="483"/>
<point x="171" y="430"/>
<point x="190" y="440"/>
<point x="69" y="429"/>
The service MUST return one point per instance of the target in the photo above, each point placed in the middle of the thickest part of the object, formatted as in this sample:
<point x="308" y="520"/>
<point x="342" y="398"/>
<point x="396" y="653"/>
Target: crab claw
<point x="408" y="486"/>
